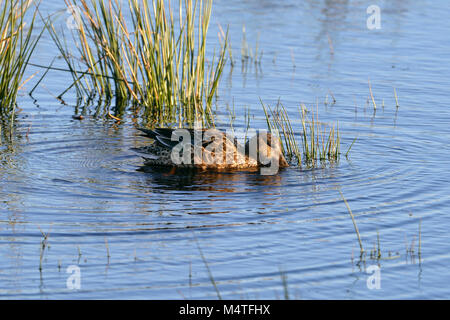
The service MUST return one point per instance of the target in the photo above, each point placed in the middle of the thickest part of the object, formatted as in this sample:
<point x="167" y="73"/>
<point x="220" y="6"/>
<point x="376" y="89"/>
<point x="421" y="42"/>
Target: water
<point x="140" y="235"/>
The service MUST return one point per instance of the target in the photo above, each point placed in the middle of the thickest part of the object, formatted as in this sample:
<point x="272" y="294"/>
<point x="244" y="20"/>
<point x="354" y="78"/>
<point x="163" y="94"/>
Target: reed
<point x="247" y="53"/>
<point x="211" y="278"/>
<point x="396" y="99"/>
<point x="420" y="238"/>
<point x="354" y="224"/>
<point x="319" y="142"/>
<point x="350" y="148"/>
<point x="371" y="95"/>
<point x="278" y="122"/>
<point x="378" y="245"/>
<point x="283" y="276"/>
<point x="44" y="244"/>
<point x="157" y="64"/>
<point x="16" y="46"/>
<point x="107" y="249"/>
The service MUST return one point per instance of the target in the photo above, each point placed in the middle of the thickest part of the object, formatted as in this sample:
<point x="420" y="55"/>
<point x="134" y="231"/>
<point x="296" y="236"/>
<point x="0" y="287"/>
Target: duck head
<point x="266" y="148"/>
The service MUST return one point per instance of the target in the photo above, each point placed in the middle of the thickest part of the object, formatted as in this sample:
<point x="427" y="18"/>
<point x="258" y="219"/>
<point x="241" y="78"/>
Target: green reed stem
<point x="318" y="143"/>
<point x="153" y="62"/>
<point x="17" y="44"/>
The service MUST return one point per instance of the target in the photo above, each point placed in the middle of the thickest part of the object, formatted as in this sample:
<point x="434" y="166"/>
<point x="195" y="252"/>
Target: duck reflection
<point x="195" y="192"/>
<point x="228" y="181"/>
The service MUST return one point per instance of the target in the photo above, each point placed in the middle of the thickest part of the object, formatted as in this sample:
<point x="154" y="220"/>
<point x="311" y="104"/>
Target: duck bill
<point x="283" y="163"/>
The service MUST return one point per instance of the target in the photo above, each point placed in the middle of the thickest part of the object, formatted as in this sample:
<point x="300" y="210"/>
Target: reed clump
<point x="317" y="143"/>
<point x="156" y="62"/>
<point x="247" y="53"/>
<point x="17" y="43"/>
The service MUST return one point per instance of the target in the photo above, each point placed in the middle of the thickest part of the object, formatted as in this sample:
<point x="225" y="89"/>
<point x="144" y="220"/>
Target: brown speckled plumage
<point x="215" y="150"/>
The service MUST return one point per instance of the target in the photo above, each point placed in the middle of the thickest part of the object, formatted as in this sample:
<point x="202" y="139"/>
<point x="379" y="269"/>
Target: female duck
<point x="211" y="149"/>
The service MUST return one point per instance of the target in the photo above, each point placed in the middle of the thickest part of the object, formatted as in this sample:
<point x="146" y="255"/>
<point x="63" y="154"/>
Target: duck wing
<point x="163" y="136"/>
<point x="149" y="133"/>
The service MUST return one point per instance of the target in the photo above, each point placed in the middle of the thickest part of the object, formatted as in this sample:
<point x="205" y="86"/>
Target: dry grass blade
<point x="354" y="222"/>
<point x="371" y="95"/>
<point x="396" y="98"/>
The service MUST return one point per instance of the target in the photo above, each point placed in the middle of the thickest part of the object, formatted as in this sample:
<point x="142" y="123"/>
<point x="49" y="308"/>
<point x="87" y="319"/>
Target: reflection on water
<point x="225" y="181"/>
<point x="133" y="230"/>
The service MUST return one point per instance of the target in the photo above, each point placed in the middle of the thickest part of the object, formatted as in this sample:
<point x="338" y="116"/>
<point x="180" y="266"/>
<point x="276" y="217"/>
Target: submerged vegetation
<point x="159" y="65"/>
<point x="16" y="47"/>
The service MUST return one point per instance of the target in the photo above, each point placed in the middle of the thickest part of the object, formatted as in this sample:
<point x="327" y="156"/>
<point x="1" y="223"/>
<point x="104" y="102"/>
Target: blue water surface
<point x="152" y="235"/>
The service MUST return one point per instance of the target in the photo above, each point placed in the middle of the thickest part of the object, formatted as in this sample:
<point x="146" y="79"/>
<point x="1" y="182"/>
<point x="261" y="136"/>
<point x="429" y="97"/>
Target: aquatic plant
<point x="283" y="276"/>
<point x="371" y="95"/>
<point x="356" y="226"/>
<point x="320" y="142"/>
<point x="396" y="99"/>
<point x="247" y="53"/>
<point x="211" y="278"/>
<point x="159" y="65"/>
<point x="16" y="46"/>
<point x="44" y="244"/>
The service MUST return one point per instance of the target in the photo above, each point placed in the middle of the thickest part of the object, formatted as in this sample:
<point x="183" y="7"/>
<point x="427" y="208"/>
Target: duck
<point x="211" y="149"/>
